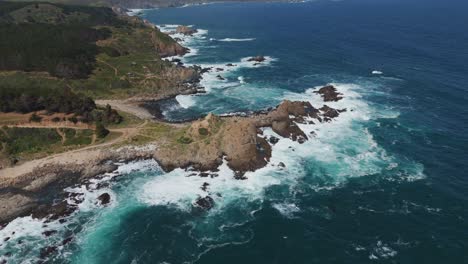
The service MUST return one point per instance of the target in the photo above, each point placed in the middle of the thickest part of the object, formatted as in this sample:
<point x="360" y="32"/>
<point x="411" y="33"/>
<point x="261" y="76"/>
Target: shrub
<point x="184" y="140"/>
<point x="35" y="118"/>
<point x="203" y="131"/>
<point x="101" y="131"/>
<point x="73" y="119"/>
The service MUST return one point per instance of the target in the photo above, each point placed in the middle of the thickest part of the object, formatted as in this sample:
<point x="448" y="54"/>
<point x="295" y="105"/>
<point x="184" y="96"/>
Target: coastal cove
<point x="315" y="132"/>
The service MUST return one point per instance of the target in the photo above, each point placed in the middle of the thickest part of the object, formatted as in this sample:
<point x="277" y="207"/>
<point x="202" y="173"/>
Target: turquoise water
<point x="383" y="183"/>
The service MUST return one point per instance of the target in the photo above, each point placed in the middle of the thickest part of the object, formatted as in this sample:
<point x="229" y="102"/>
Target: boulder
<point x="104" y="198"/>
<point x="273" y="140"/>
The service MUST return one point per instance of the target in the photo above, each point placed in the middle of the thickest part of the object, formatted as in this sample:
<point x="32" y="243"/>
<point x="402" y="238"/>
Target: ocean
<point x="385" y="182"/>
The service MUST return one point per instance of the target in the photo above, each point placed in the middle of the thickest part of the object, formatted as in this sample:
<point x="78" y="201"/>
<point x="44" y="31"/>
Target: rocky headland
<point x="202" y="146"/>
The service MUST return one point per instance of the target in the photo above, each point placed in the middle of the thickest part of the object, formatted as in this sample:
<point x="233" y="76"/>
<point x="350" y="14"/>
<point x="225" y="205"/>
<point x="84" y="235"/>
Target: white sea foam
<point x="186" y="101"/>
<point x="382" y="250"/>
<point x="236" y="39"/>
<point x="241" y="79"/>
<point x="178" y="188"/>
<point x="133" y="12"/>
<point x="287" y="209"/>
<point x="377" y="72"/>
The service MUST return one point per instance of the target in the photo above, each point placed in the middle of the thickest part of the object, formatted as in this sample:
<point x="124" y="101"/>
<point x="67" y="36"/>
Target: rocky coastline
<point x="237" y="139"/>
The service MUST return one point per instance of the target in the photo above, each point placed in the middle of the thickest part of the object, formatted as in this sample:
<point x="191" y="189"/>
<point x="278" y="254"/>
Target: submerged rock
<point x="49" y="232"/>
<point x="47" y="251"/>
<point x="67" y="240"/>
<point x="205" y="203"/>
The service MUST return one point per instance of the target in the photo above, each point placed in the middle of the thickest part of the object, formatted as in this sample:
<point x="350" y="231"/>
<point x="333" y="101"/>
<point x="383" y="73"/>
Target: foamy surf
<point x="377" y="72"/>
<point x="235" y="39"/>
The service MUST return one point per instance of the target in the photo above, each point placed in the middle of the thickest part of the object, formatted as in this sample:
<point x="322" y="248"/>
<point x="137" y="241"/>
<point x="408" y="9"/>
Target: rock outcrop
<point x="166" y="46"/>
<point x="329" y="93"/>
<point x="185" y="30"/>
<point x="257" y="59"/>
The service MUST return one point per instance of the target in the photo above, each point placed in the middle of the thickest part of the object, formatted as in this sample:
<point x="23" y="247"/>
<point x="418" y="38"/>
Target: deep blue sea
<point x="386" y="182"/>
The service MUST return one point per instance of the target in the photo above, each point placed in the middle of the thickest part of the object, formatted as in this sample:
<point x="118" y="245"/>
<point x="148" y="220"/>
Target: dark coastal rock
<point x="329" y="93"/>
<point x="47" y="251"/>
<point x="205" y="203"/>
<point x="257" y="59"/>
<point x="329" y="112"/>
<point x="3" y="261"/>
<point x="219" y="69"/>
<point x="220" y="77"/>
<point x="104" y="198"/>
<point x="76" y="197"/>
<point x="188" y="31"/>
<point x="281" y="164"/>
<point x="67" y="240"/>
<point x="239" y="175"/>
<point x="288" y="129"/>
<point x="6" y="239"/>
<point x="301" y="140"/>
<point x="230" y="65"/>
<point x="49" y="232"/>
<point x="54" y="212"/>
<point x="205" y="186"/>
<point x="273" y="140"/>
<point x="205" y="70"/>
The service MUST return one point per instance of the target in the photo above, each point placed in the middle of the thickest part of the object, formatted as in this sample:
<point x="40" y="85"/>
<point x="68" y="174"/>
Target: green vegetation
<point x="35" y="118"/>
<point x="101" y="131"/>
<point x="203" y="131"/>
<point x="27" y="140"/>
<point x="33" y="142"/>
<point x="184" y="140"/>
<point x="78" y="137"/>
<point x="55" y="38"/>
<point x="92" y="51"/>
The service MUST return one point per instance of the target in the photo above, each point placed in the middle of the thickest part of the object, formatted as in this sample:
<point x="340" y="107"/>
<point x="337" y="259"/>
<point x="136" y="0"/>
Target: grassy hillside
<point x="91" y="50"/>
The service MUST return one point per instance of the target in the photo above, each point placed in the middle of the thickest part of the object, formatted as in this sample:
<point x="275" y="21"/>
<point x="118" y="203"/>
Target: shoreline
<point x="237" y="138"/>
